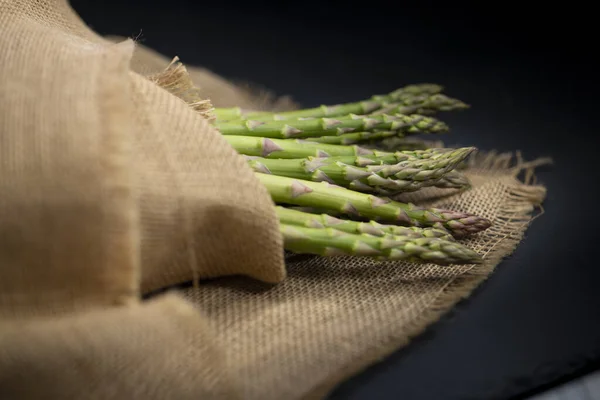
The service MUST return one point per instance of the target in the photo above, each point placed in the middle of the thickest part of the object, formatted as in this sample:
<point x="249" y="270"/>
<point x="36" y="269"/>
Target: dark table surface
<point x="529" y="76"/>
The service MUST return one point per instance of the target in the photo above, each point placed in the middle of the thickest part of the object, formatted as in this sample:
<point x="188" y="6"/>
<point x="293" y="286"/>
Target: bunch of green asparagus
<point x="334" y="186"/>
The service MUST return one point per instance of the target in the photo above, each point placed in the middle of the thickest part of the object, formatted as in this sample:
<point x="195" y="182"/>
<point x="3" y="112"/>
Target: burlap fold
<point x="110" y="186"/>
<point x="113" y="185"/>
<point x="117" y="353"/>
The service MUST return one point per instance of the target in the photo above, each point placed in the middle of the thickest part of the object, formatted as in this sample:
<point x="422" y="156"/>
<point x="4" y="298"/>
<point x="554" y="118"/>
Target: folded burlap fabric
<point x="111" y="188"/>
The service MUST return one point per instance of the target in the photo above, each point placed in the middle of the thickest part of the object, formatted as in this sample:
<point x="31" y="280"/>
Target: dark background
<point x="528" y="73"/>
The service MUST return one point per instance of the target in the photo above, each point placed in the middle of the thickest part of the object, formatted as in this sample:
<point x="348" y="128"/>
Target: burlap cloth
<point x="113" y="186"/>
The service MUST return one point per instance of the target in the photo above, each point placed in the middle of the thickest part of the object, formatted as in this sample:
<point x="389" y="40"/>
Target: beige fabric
<point x="64" y="139"/>
<point x="196" y="193"/>
<point x="112" y="188"/>
<point x="159" y="350"/>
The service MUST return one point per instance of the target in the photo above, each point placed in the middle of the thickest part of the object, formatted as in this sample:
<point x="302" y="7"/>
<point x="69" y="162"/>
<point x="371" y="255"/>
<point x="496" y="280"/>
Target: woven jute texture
<point x="115" y="189"/>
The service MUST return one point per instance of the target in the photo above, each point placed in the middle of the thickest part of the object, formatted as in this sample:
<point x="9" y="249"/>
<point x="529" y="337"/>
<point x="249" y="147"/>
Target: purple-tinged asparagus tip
<point x="363" y="161"/>
<point x="253" y="124"/>
<point x="378" y="201"/>
<point x="431" y="217"/>
<point x="314" y="163"/>
<point x="403" y="217"/>
<point x="269" y="146"/>
<point x="332" y="220"/>
<point x="298" y="189"/>
<point x="462" y="224"/>
<point x="289" y="131"/>
<point x="315" y="224"/>
<point x="321" y="176"/>
<point x="329" y="123"/>
<point x="260" y="167"/>
<point x="348" y="208"/>
<point x="362" y="151"/>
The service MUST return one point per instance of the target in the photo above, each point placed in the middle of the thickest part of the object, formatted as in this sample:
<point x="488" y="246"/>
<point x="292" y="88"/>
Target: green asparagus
<point x="333" y="242"/>
<point x="407" y="104"/>
<point x="361" y="107"/>
<point x="299" y="148"/>
<point x="299" y="128"/>
<point x="386" y="158"/>
<point x="295" y="217"/>
<point x="325" y="195"/>
<point x="416" y="105"/>
<point x="393" y="143"/>
<point x="410" y="90"/>
<point x="422" y="104"/>
<point x="354" y="137"/>
<point x="406" y="176"/>
<point x="291" y="148"/>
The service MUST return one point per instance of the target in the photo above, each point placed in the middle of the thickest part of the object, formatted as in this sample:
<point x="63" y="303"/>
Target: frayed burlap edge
<point x="525" y="195"/>
<point x="177" y="81"/>
<point x="247" y="93"/>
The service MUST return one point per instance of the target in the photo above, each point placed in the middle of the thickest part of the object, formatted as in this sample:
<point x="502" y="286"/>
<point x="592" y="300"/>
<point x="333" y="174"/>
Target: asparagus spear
<point x="291" y="148"/>
<point x="361" y="107"/>
<point x="325" y="195"/>
<point x="406" y="176"/>
<point x="386" y="158"/>
<point x="331" y="127"/>
<point x="422" y="104"/>
<point x="333" y="242"/>
<point x="418" y="105"/>
<point x="354" y="137"/>
<point x="410" y="90"/>
<point x="407" y="104"/>
<point x="299" y="148"/>
<point x="399" y="143"/>
<point x="294" y="217"/>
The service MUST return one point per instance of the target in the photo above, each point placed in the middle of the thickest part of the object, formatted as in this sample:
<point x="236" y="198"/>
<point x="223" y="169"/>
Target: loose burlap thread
<point x="114" y="186"/>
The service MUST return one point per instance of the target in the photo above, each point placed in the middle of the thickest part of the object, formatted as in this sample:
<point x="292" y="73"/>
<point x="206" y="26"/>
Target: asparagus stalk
<point x="360" y="107"/>
<point x="423" y="104"/>
<point x="405" y="176"/>
<point x="407" y="104"/>
<point x="399" y="143"/>
<point x="354" y="137"/>
<point x="325" y="195"/>
<point x="295" y="217"/>
<point x="418" y="105"/>
<point x="299" y="148"/>
<point x="332" y="127"/>
<point x="386" y="158"/>
<point x="410" y="90"/>
<point x="291" y="148"/>
<point x="333" y="242"/>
